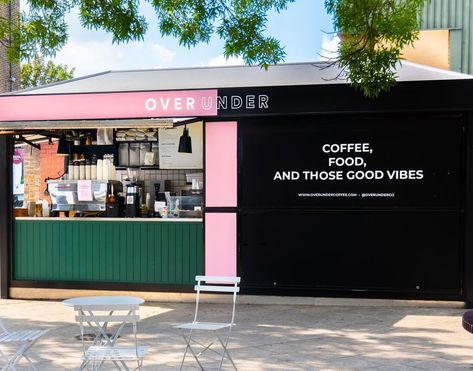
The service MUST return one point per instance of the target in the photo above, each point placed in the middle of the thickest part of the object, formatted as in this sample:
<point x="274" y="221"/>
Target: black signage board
<point x="406" y="96"/>
<point x="347" y="161"/>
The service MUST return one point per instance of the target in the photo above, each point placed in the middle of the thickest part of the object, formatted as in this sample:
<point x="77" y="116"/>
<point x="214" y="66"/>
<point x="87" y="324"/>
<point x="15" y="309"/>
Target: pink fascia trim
<point x="152" y="104"/>
<point x="220" y="244"/>
<point x="221" y="164"/>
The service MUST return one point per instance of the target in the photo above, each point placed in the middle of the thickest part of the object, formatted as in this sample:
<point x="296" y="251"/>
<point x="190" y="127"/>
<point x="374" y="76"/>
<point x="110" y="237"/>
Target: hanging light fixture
<point x="185" y="142"/>
<point x="63" y="146"/>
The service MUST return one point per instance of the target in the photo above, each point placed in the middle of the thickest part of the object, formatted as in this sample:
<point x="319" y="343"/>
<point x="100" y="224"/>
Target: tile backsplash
<point x="176" y="177"/>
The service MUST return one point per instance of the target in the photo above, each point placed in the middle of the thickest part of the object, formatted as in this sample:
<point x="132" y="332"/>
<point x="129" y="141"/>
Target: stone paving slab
<point x="272" y="337"/>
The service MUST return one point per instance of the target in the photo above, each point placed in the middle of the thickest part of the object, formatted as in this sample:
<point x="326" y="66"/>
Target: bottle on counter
<point x="148" y="200"/>
<point x="144" y="211"/>
<point x="46" y="209"/>
<point x="99" y="169"/>
<point x="75" y="170"/>
<point x="39" y="208"/>
<point x="93" y="168"/>
<point x="70" y="171"/>
<point x="87" y="170"/>
<point x="82" y="170"/>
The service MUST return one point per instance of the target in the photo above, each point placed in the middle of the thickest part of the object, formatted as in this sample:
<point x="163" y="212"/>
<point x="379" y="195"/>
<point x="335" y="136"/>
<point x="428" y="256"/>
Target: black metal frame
<point x="468" y="243"/>
<point x="6" y="205"/>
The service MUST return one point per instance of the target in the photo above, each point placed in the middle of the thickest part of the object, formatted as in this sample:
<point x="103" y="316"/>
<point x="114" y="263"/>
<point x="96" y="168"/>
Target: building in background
<point x="446" y="39"/>
<point x="9" y="72"/>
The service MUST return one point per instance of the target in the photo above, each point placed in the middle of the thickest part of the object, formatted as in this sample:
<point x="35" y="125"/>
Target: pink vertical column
<point x="220" y="192"/>
<point x="220" y="244"/>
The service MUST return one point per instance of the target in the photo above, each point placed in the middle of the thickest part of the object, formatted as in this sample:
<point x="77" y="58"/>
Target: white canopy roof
<point x="311" y="73"/>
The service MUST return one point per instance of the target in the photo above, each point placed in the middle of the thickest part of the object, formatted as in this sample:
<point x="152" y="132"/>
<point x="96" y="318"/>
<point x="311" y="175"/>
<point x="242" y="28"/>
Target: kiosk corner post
<point x="468" y="257"/>
<point x="6" y="204"/>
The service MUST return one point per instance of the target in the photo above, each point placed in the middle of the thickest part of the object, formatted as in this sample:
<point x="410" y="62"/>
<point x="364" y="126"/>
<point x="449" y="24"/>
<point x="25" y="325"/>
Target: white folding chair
<point x="22" y="340"/>
<point x="216" y="285"/>
<point x="104" y="346"/>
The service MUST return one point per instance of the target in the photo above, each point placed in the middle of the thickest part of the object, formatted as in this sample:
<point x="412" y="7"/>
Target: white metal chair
<point x="103" y="346"/>
<point x="23" y="340"/>
<point x="216" y="285"/>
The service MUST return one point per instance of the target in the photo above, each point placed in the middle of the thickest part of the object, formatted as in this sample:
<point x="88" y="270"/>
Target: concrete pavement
<point x="273" y="337"/>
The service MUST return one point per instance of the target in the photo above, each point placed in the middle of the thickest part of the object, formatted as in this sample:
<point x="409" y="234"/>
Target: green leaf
<point x="38" y="72"/>
<point x="373" y="33"/>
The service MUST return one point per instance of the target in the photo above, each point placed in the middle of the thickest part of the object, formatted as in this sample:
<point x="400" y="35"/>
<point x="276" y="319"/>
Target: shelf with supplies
<point x="138" y="154"/>
<point x="96" y="149"/>
<point x="118" y="141"/>
<point x="144" y="167"/>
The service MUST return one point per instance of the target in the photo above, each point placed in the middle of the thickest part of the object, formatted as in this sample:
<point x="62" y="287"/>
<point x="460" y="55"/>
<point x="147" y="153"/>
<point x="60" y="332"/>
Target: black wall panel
<point x="379" y="251"/>
<point x="387" y="237"/>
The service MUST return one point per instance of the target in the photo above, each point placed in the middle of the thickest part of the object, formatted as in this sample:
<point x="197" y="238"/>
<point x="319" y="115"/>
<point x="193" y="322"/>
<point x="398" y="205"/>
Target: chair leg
<point x="225" y="351"/>
<point x="82" y="365"/>
<point x="189" y="347"/>
<point x="100" y="365"/>
<point x="4" y="357"/>
<point x="185" y="352"/>
<point x="17" y="356"/>
<point x="8" y="367"/>
<point x="30" y="363"/>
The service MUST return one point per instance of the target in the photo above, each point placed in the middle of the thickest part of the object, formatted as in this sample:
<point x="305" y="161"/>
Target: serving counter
<point x="108" y="250"/>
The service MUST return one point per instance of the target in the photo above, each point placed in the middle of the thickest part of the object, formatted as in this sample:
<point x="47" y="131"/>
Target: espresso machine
<point x="133" y="200"/>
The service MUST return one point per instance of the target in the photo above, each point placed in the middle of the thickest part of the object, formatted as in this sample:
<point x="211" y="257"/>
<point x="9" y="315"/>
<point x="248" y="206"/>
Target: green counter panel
<point x="110" y="251"/>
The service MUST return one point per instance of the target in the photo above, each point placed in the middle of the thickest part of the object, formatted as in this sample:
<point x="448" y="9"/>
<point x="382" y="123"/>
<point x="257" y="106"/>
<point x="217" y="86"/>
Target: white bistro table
<point x="103" y="301"/>
<point x="98" y="311"/>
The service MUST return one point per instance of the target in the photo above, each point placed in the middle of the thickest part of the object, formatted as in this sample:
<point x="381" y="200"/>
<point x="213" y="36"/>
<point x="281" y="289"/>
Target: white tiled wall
<point x="177" y="178"/>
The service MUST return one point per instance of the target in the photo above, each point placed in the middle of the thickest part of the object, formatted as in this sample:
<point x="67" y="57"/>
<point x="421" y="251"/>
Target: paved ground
<point x="277" y="337"/>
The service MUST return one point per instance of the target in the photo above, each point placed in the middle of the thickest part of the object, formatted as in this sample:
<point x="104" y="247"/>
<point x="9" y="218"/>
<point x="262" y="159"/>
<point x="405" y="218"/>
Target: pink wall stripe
<point x="220" y="244"/>
<point x="221" y="164"/>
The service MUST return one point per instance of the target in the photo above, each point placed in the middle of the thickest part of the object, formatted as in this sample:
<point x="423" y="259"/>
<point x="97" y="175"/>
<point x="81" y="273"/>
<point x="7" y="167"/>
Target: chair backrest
<point x="217" y="284"/>
<point x="97" y="318"/>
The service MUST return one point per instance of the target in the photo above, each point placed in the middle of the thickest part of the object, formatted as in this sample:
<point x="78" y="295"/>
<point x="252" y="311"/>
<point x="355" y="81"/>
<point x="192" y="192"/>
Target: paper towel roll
<point x="111" y="171"/>
<point x="106" y="169"/>
<point x="99" y="169"/>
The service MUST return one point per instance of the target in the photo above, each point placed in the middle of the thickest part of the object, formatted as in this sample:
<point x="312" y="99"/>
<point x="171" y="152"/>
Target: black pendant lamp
<point x="185" y="142"/>
<point x="63" y="146"/>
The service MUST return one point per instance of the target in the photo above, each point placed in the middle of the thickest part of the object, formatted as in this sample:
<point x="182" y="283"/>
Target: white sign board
<point x="170" y="158"/>
<point x="84" y="190"/>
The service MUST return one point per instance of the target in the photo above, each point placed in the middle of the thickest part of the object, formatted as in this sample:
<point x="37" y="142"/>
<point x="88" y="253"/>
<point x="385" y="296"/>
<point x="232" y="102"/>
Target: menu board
<point x="170" y="158"/>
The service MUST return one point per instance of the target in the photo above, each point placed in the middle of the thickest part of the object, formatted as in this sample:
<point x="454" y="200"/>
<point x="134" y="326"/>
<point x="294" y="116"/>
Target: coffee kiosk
<point x="308" y="188"/>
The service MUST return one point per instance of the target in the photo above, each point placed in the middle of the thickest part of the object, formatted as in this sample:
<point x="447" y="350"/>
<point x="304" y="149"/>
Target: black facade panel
<point x="415" y="253"/>
<point x="399" y="234"/>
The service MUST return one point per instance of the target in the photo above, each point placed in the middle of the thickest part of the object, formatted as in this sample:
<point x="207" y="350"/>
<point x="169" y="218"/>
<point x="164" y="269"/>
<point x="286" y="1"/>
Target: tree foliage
<point x="39" y="72"/>
<point x="373" y="34"/>
<point x="374" y="31"/>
